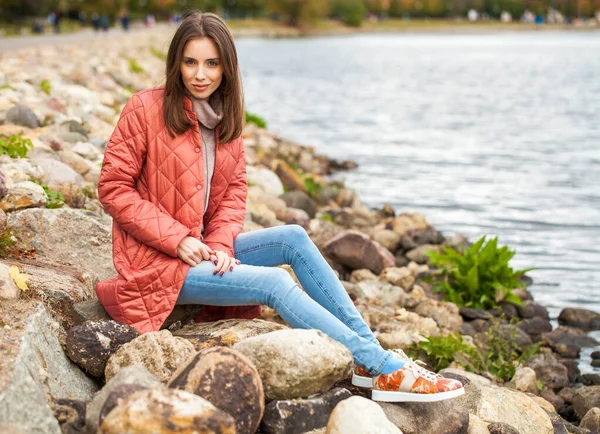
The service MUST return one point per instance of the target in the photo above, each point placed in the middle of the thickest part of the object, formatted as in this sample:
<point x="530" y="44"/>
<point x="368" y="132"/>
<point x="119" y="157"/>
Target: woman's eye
<point x="213" y="63"/>
<point x="189" y="62"/>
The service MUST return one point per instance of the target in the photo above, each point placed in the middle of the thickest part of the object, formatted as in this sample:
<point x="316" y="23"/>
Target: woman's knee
<point x="295" y="233"/>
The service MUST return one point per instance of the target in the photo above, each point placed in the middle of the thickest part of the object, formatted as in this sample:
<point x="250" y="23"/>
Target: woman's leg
<point x="290" y="244"/>
<point x="247" y="285"/>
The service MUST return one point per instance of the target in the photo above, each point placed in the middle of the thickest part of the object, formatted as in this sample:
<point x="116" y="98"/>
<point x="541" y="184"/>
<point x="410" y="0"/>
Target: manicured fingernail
<point x="214" y="272"/>
<point x="221" y="273"/>
<point x="231" y="268"/>
<point x="215" y="262"/>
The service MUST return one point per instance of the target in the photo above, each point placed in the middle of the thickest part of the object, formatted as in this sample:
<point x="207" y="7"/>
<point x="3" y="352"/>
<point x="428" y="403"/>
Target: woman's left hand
<point x="223" y="262"/>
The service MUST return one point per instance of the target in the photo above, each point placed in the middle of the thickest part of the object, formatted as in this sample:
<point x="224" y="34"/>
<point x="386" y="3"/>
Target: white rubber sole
<point x="385" y="396"/>
<point x="360" y="381"/>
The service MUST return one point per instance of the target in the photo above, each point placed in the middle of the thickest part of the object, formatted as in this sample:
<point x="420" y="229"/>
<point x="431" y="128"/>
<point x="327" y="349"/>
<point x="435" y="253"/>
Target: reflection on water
<point x="485" y="134"/>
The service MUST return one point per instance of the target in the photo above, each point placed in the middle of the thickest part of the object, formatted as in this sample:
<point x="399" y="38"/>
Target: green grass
<point x="135" y="67"/>
<point x="255" y="119"/>
<point x="15" y="146"/>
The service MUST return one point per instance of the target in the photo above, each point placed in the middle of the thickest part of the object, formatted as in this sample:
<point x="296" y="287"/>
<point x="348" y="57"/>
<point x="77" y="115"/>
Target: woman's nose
<point x="200" y="73"/>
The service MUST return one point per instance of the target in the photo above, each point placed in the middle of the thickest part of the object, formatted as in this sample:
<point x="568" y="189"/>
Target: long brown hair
<point x="196" y="24"/>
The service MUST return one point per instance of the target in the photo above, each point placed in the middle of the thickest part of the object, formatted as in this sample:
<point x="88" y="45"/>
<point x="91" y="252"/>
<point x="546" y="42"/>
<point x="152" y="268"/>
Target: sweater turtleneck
<point x="209" y="112"/>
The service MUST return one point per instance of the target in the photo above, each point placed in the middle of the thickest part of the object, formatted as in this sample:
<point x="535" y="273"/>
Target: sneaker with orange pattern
<point x="361" y="378"/>
<point x="413" y="383"/>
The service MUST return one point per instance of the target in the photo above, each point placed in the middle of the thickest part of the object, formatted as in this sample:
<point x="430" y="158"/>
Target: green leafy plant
<point x="255" y="119"/>
<point x="326" y="217"/>
<point x="89" y="192"/>
<point x="55" y="198"/>
<point x="501" y="356"/>
<point x="442" y="350"/>
<point x="135" y="67"/>
<point x="46" y="87"/>
<point x="15" y="146"/>
<point x="478" y="276"/>
<point x="158" y="54"/>
<point x="7" y="242"/>
<point x="312" y="187"/>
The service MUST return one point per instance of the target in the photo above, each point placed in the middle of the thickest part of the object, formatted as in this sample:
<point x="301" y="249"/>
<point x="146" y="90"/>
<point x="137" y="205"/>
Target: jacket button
<point x="199" y="187"/>
<point x="197" y="149"/>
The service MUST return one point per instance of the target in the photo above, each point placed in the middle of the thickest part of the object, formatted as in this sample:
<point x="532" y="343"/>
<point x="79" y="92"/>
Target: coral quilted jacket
<point x="152" y="186"/>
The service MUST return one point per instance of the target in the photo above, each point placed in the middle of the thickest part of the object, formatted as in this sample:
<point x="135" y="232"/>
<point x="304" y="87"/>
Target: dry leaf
<point x="19" y="278"/>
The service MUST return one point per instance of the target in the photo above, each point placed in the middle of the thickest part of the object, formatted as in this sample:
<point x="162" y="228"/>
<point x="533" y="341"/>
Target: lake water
<point x="495" y="134"/>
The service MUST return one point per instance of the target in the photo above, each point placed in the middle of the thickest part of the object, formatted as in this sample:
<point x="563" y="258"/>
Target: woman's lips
<point x="201" y="88"/>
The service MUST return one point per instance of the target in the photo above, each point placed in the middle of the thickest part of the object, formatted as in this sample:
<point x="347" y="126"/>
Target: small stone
<point x="24" y="194"/>
<point x="501" y="428"/>
<point x="580" y="318"/>
<point x="419" y="254"/>
<point x="531" y="309"/>
<point x="300" y="200"/>
<point x="586" y="398"/>
<point x="471" y="314"/>
<point x="401" y="277"/>
<point x="362" y="274"/>
<point x="355" y="250"/>
<point x="591" y="420"/>
<point x="22" y="115"/>
<point x="525" y="380"/>
<point x="298" y="416"/>
<point x="590" y="379"/>
<point x="166" y="411"/>
<point x="8" y="288"/>
<point x="116" y="398"/>
<point x="70" y="414"/>
<point x="568" y="341"/>
<point x="552" y="374"/>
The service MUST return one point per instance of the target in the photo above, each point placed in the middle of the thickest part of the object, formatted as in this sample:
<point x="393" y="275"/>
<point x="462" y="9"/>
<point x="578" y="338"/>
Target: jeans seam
<point x="319" y="284"/>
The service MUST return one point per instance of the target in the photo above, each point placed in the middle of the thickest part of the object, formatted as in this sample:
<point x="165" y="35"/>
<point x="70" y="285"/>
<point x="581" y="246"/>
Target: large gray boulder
<point x="37" y="372"/>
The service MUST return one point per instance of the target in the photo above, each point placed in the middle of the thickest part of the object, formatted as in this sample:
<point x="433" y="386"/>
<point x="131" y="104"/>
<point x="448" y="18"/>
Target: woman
<point x="174" y="180"/>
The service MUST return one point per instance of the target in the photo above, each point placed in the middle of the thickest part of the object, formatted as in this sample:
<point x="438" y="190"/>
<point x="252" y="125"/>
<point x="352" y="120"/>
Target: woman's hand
<point x="192" y="251"/>
<point x="223" y="262"/>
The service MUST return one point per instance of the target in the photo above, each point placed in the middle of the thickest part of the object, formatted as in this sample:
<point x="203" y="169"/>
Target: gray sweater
<point x="209" y="113"/>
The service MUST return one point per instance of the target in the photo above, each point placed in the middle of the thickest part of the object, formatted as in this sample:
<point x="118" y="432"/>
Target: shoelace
<point x="420" y="371"/>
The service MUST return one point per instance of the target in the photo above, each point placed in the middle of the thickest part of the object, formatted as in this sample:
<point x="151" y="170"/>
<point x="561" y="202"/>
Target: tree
<point x="395" y="9"/>
<point x="299" y="12"/>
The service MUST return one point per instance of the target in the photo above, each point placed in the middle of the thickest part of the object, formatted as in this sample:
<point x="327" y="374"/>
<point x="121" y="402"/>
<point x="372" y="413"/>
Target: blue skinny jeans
<point x="323" y="305"/>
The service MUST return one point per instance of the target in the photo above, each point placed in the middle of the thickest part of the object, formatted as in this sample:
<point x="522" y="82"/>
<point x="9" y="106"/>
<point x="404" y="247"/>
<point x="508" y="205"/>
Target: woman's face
<point x="201" y="68"/>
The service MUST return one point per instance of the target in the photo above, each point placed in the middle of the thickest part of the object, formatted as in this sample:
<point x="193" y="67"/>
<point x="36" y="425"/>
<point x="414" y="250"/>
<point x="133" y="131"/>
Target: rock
<point x="300" y="200"/>
<point x="21" y="195"/>
<point x="531" y="309"/>
<point x="513" y="334"/>
<point x="219" y="375"/>
<point x="297" y="217"/>
<point x="586" y="398"/>
<point x="160" y="352"/>
<point x="443" y="417"/>
<point x="535" y="326"/>
<point x="567" y="394"/>
<point x="509" y="310"/>
<point x="590" y="379"/>
<point x="568" y="341"/>
<point x="561" y="426"/>
<point x="401" y="277"/>
<point x="525" y="380"/>
<point x="22" y="115"/>
<point x="572" y="368"/>
<point x="265" y="179"/>
<point x="166" y="411"/>
<point x="296" y="363"/>
<point x="321" y="231"/>
<point x="117" y="397"/>
<point x="595" y="355"/>
<point x="580" y="318"/>
<point x="555" y="401"/>
<point x="595" y="363"/>
<point x="477" y="426"/>
<point x="407" y="221"/>
<point x="355" y="250"/>
<point x="591" y="420"/>
<point x="465" y="377"/>
<point x="388" y="239"/>
<point x="419" y="254"/>
<point x="552" y="374"/>
<point x="289" y="177"/>
<point x="444" y="314"/>
<point x="263" y="215"/>
<point x="406" y="329"/>
<point x="298" y="416"/>
<point x="357" y="415"/>
<point x="35" y="371"/>
<point x="471" y="314"/>
<point x="497" y="404"/>
<point x="90" y="344"/>
<point x="362" y="274"/>
<point x="522" y="293"/>
<point x="501" y="428"/>
<point x="8" y="288"/>
<point x="86" y="150"/>
<point x="70" y="414"/>
<point x="60" y="177"/>
<point x="57" y="233"/>
<point x="131" y="375"/>
<point x="418" y="237"/>
<point x="225" y="333"/>
<point x="76" y="162"/>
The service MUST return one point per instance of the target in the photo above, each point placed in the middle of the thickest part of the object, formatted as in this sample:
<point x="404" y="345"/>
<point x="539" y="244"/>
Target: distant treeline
<point x="301" y="12"/>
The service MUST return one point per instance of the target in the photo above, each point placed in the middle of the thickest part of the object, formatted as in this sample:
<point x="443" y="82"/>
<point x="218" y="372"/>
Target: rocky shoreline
<point x="66" y="367"/>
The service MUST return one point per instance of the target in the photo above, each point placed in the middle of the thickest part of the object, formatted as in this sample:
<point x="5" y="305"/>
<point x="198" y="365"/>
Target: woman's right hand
<point x="192" y="251"/>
